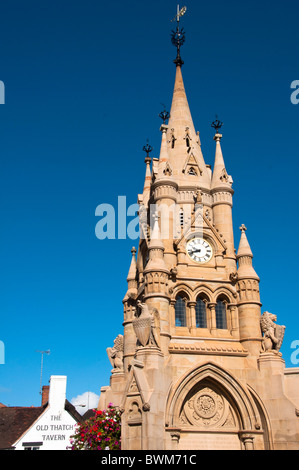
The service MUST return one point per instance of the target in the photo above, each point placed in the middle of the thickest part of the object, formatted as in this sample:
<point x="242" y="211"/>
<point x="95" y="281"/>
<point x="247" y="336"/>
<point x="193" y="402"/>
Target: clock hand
<point x="195" y="250"/>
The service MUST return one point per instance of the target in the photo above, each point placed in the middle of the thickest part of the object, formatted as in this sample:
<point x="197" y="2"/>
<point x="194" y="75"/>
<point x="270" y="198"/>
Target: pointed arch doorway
<point x="210" y="410"/>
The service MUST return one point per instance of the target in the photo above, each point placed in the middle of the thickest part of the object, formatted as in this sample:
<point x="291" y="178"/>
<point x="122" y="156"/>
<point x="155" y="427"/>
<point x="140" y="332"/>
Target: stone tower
<point x="197" y="366"/>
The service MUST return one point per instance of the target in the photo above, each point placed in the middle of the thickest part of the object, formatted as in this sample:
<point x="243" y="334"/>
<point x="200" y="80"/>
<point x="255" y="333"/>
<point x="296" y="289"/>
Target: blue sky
<point x="84" y="84"/>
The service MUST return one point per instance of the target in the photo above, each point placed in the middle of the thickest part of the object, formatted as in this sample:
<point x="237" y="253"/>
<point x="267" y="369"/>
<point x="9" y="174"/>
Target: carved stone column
<point x="213" y="325"/>
<point x="192" y="319"/>
<point x="234" y="327"/>
<point x="172" y="315"/>
<point x="247" y="440"/>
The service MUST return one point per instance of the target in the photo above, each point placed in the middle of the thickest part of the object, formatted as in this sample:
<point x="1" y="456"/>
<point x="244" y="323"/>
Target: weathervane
<point x="178" y="36"/>
<point x="217" y="124"/>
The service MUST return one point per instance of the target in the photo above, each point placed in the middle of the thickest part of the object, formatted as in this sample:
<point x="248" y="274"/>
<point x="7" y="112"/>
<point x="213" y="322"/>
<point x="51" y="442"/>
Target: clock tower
<point x="197" y="366"/>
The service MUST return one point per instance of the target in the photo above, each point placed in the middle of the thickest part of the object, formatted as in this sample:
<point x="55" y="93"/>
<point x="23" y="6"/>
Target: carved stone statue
<point x="155" y="328"/>
<point x="273" y="334"/>
<point x="116" y="353"/>
<point x="233" y="277"/>
<point x="147" y="326"/>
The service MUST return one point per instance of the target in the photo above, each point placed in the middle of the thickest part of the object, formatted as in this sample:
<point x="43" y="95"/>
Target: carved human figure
<point x="273" y="334"/>
<point x="155" y="328"/>
<point x="116" y="353"/>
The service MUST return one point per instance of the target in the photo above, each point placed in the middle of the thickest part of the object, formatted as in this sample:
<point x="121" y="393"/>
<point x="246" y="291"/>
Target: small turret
<point x="129" y="303"/>
<point x="156" y="250"/>
<point x="249" y="306"/>
<point x="131" y="278"/>
<point x="244" y="257"/>
<point x="164" y="168"/>
<point x="220" y="179"/>
<point x="222" y="193"/>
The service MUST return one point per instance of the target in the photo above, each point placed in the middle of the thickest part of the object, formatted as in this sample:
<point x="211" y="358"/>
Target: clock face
<point x="199" y="250"/>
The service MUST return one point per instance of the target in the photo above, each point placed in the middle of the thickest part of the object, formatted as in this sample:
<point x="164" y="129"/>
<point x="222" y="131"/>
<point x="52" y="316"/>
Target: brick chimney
<point x="45" y="394"/>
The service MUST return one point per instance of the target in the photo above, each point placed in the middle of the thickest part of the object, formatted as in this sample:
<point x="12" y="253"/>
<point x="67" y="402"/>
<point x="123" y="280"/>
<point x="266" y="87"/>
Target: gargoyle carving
<point x="233" y="277"/>
<point x="273" y="334"/>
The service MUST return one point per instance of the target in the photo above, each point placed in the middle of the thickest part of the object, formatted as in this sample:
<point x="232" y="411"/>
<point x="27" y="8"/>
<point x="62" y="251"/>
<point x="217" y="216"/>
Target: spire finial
<point x="164" y="115"/>
<point x="217" y="124"/>
<point x="243" y="228"/>
<point x="147" y="149"/>
<point x="178" y="36"/>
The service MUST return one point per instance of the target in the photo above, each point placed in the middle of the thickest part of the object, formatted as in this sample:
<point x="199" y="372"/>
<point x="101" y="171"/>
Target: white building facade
<point x="54" y="427"/>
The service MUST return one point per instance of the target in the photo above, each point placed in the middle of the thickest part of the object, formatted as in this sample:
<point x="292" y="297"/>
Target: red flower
<point x="95" y="433"/>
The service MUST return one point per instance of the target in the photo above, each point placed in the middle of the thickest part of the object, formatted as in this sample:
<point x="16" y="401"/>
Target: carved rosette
<point x="207" y="408"/>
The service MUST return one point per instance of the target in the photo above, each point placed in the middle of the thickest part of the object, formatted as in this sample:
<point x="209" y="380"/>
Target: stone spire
<point x="133" y="267"/>
<point x="180" y="115"/>
<point x="244" y="257"/>
<point x="244" y="247"/>
<point x="156" y="250"/>
<point x="164" y="157"/>
<point x="183" y="142"/>
<point x="249" y="302"/>
<point x="220" y="178"/>
<point x="165" y="170"/>
<point x="132" y="277"/>
<point x="156" y="273"/>
<point x="148" y="175"/>
<point x="222" y="192"/>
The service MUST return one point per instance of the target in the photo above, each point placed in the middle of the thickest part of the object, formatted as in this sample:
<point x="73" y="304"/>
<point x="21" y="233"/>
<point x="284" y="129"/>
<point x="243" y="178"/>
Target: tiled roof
<point x="72" y="411"/>
<point x="88" y="414"/>
<point x="14" y="421"/>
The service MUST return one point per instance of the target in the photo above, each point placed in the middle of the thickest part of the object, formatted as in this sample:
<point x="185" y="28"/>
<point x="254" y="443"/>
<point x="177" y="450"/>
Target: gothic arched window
<point x="192" y="171"/>
<point x="200" y="313"/>
<point x="220" y="311"/>
<point x="180" y="311"/>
